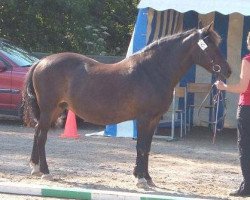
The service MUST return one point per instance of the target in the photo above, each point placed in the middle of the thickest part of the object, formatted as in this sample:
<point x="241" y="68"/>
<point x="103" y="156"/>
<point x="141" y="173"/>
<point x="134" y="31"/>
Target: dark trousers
<point x="243" y="125"/>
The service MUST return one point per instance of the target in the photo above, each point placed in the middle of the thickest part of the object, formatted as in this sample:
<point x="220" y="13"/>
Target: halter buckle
<point x="217" y="68"/>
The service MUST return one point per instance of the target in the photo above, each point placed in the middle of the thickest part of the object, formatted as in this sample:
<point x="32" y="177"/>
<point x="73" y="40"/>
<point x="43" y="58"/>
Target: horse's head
<point x="207" y="53"/>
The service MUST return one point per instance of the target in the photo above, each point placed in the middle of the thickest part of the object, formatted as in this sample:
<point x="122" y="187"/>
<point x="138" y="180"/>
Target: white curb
<point x="78" y="193"/>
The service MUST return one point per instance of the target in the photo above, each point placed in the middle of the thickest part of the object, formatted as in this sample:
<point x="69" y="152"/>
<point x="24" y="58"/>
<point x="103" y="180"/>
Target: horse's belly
<point x="104" y="119"/>
<point x="103" y="107"/>
<point x="111" y="108"/>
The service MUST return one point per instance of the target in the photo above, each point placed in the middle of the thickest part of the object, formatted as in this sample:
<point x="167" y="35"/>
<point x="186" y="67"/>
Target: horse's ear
<point x="208" y="28"/>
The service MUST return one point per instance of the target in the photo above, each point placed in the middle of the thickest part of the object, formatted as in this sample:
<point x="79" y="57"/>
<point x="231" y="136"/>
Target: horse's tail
<point x="31" y="111"/>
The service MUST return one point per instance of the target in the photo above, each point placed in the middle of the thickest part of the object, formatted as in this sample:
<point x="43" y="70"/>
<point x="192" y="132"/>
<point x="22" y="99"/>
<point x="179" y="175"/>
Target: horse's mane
<point x="168" y="38"/>
<point x="214" y="36"/>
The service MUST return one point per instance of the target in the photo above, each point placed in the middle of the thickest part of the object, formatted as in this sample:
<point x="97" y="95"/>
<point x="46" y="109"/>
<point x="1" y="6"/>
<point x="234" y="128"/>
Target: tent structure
<point x="157" y="18"/>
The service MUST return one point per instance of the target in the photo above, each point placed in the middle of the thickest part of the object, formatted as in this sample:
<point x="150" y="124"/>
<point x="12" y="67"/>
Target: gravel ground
<point x="190" y="167"/>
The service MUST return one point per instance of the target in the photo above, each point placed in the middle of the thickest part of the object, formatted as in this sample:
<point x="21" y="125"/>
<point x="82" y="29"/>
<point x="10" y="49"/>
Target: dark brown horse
<point x="139" y="87"/>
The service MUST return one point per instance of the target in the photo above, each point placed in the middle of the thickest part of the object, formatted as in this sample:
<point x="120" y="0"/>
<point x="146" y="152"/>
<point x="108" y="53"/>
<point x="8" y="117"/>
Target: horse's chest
<point x="159" y="101"/>
<point x="166" y="100"/>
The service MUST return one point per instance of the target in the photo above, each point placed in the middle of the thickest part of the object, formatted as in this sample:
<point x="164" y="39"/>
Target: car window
<point x="2" y="60"/>
<point x="17" y="55"/>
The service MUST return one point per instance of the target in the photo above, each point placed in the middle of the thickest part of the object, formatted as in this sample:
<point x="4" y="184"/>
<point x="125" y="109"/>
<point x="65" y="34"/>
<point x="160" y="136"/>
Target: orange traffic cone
<point x="70" y="130"/>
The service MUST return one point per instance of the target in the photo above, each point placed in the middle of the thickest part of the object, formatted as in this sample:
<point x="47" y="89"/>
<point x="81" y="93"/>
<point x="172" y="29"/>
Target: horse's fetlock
<point x="34" y="168"/>
<point x="135" y="172"/>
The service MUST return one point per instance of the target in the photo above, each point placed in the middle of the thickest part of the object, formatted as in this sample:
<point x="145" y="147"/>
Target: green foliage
<point x="83" y="26"/>
<point x="119" y="17"/>
<point x="95" y="39"/>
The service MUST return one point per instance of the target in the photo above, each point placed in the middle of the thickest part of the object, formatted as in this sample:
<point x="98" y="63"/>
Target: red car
<point x="14" y="64"/>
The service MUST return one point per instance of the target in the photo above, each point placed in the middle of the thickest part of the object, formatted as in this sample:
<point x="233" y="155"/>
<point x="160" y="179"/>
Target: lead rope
<point x="217" y="98"/>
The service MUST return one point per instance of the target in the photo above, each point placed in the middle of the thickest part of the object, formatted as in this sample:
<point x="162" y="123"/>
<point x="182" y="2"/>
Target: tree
<point x="119" y="18"/>
<point x="83" y="26"/>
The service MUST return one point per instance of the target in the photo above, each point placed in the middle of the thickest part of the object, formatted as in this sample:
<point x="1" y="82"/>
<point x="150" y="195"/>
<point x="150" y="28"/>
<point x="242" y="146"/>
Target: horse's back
<point x="67" y="59"/>
<point x="64" y="66"/>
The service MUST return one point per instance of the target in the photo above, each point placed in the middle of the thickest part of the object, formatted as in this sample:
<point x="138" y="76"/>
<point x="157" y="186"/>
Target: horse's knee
<point x="144" y="144"/>
<point x="41" y="139"/>
<point x="143" y="150"/>
<point x="43" y="126"/>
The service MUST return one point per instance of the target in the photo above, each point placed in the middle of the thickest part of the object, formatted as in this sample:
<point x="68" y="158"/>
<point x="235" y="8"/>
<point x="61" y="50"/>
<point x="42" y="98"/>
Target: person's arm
<point x="242" y="85"/>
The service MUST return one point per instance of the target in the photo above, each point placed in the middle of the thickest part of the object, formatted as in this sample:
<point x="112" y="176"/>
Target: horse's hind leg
<point x="44" y="124"/>
<point x="48" y="115"/>
<point x="38" y="156"/>
<point x="34" y="160"/>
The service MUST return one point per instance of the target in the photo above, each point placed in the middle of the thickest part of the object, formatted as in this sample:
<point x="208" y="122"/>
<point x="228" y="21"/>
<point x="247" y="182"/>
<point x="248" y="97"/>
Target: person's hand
<point x="220" y="85"/>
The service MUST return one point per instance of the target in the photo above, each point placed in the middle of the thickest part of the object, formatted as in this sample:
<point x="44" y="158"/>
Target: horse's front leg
<point x="141" y="169"/>
<point x="145" y="135"/>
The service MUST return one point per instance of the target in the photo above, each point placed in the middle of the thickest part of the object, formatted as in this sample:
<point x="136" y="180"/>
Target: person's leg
<point x="243" y="126"/>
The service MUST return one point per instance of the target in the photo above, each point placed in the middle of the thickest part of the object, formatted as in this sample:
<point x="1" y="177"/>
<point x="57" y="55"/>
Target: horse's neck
<point x="171" y="60"/>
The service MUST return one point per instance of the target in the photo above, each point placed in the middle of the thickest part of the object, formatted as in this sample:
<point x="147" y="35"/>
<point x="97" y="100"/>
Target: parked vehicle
<point x="14" y="64"/>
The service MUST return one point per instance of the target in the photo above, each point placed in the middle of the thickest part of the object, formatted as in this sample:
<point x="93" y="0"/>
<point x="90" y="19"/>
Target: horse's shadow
<point x="152" y="190"/>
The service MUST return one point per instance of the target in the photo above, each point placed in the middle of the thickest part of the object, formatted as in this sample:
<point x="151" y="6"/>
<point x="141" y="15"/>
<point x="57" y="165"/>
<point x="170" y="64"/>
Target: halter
<point x="218" y="97"/>
<point x="215" y="67"/>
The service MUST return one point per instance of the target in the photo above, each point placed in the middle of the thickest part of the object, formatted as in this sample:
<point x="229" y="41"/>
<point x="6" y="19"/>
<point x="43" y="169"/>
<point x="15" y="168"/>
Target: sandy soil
<point x="190" y="167"/>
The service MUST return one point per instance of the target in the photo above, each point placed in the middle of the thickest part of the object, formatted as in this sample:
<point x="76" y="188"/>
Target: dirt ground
<point x="189" y="167"/>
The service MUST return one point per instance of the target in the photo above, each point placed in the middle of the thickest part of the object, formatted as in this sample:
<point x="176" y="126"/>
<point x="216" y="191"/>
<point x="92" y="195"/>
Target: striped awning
<point x="232" y="28"/>
<point x="200" y="6"/>
<point x="158" y="18"/>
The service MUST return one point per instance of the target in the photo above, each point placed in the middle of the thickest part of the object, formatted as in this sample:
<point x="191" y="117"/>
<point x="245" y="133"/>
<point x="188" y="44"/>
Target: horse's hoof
<point x="142" y="183"/>
<point x="47" y="177"/>
<point x="151" y="183"/>
<point x="34" y="169"/>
